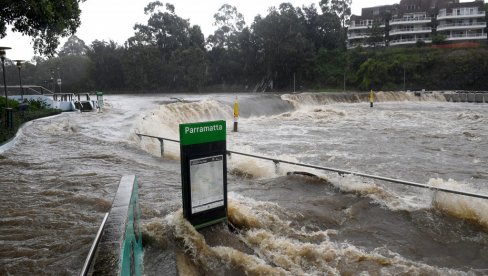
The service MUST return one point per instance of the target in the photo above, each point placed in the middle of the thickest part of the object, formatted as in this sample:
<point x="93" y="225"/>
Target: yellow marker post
<point x="371" y="98"/>
<point x="236" y="114"/>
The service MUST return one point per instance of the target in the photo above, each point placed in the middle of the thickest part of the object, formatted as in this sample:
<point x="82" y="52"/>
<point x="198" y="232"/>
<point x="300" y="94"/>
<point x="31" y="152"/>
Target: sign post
<point x="204" y="172"/>
<point x="100" y="101"/>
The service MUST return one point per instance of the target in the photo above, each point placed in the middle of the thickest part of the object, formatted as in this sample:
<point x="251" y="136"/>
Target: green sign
<point x="204" y="172"/>
<point x="200" y="133"/>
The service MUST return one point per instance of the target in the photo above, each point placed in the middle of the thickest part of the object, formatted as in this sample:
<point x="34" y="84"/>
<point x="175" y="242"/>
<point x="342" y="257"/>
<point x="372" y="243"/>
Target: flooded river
<point x="60" y="174"/>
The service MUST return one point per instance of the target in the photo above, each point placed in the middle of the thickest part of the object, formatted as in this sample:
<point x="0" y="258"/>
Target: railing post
<point x="277" y="166"/>
<point x="161" y="143"/>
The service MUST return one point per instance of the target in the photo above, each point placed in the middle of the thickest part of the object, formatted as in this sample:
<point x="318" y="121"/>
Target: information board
<point x="204" y="172"/>
<point x="207" y="179"/>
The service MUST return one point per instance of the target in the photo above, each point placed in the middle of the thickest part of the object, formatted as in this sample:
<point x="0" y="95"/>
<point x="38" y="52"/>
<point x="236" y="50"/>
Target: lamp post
<point x="19" y="63"/>
<point x="52" y="80"/>
<point x="59" y="81"/>
<point x="8" y="111"/>
<point x="2" y="56"/>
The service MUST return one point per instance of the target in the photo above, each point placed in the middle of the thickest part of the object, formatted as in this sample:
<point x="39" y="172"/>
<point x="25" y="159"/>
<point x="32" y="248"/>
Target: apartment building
<point x="412" y="21"/>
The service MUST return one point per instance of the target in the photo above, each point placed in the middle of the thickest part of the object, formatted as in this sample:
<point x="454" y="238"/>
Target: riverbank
<point x="20" y="118"/>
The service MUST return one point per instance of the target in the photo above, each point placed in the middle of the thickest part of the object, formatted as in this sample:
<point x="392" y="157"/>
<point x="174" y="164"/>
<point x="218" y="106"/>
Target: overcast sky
<point x="115" y="19"/>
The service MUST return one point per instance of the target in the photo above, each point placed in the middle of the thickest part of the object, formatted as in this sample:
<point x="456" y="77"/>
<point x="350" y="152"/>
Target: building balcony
<point x="359" y="26"/>
<point x="410" y="20"/>
<point x="461" y="26"/>
<point x="461" y="15"/>
<point x="363" y="27"/>
<point x="455" y="37"/>
<point x="407" y="41"/>
<point x="423" y="30"/>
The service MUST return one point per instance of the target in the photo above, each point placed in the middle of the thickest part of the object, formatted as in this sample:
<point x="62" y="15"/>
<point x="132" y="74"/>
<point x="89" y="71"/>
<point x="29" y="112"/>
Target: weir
<point x="117" y="247"/>
<point x="467" y="97"/>
<point x="340" y="171"/>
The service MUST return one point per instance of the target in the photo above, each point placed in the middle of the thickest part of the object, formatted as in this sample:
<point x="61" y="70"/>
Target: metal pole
<point x="4" y="82"/>
<point x="21" y="88"/>
<point x="91" y="253"/>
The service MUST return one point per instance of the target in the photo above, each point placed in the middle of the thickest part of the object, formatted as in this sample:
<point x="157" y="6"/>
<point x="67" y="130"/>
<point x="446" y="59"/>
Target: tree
<point x="229" y="23"/>
<point x="73" y="47"/>
<point x="164" y="30"/>
<point x="439" y="39"/>
<point x="106" y="71"/>
<point x="325" y="6"/>
<point x="45" y="21"/>
<point x="284" y="48"/>
<point x="197" y="39"/>
<point x="189" y="68"/>
<point x="342" y="8"/>
<point x="323" y="30"/>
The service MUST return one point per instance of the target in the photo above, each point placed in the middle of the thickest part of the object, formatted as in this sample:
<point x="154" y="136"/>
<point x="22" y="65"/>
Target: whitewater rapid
<point x="422" y="139"/>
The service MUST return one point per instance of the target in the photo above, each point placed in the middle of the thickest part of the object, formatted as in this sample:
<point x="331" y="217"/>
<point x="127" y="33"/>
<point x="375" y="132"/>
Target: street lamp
<point x="8" y="111"/>
<point x="19" y="66"/>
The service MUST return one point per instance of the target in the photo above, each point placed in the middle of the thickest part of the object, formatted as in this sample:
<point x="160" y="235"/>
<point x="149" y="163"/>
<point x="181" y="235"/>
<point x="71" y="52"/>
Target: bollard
<point x="161" y="143"/>
<point x="236" y="114"/>
<point x="371" y="98"/>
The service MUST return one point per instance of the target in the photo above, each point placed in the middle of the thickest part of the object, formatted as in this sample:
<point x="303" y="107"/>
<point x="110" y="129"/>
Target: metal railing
<point x="413" y="30"/>
<point x="339" y="171"/>
<point x="461" y="14"/>
<point x="91" y="253"/>
<point x="465" y="35"/>
<point x="409" y="41"/>
<point x="450" y="25"/>
<point x="410" y="19"/>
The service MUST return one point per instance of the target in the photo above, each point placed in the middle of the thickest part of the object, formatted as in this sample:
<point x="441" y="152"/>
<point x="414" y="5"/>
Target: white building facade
<point x="414" y="21"/>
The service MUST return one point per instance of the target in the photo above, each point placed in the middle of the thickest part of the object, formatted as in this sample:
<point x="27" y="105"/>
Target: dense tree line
<point x="301" y="46"/>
